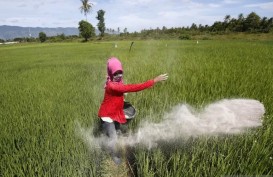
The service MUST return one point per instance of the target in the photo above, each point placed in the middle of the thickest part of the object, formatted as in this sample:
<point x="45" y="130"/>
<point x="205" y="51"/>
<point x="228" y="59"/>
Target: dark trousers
<point x="110" y="129"/>
<point x="114" y="128"/>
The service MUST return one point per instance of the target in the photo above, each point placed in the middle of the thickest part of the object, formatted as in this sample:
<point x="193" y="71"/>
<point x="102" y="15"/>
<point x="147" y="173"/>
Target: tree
<point x="86" y="7"/>
<point x="86" y="30"/>
<point x="227" y="18"/>
<point x="270" y="24"/>
<point x="101" y="24"/>
<point x="226" y="22"/>
<point x="61" y="36"/>
<point x="125" y="30"/>
<point x="193" y="27"/>
<point x="240" y="23"/>
<point x="217" y="26"/>
<point x="42" y="36"/>
<point x="252" y="22"/>
<point x="263" y="25"/>
<point x="232" y="24"/>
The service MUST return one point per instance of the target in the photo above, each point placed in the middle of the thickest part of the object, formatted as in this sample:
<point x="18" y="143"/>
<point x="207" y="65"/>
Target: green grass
<point x="46" y="88"/>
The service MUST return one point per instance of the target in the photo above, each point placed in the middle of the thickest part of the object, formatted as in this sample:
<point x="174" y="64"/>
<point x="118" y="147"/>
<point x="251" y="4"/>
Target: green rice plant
<point x="45" y="89"/>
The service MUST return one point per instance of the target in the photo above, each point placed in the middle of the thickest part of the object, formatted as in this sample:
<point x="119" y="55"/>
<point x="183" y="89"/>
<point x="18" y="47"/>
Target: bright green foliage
<point x="47" y="88"/>
<point x="86" y="30"/>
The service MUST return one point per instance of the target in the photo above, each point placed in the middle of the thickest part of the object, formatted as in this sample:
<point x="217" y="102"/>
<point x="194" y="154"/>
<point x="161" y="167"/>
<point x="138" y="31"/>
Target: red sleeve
<point x="130" y="87"/>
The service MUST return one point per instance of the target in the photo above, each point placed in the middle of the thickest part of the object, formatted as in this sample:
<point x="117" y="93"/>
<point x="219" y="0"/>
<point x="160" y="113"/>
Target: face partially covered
<point x="114" y="70"/>
<point x="117" y="76"/>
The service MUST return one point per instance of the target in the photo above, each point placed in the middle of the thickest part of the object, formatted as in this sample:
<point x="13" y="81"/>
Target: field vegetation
<point x="46" y="89"/>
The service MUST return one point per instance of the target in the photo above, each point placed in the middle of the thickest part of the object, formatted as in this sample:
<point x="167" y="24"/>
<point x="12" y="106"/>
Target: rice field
<point x="46" y="89"/>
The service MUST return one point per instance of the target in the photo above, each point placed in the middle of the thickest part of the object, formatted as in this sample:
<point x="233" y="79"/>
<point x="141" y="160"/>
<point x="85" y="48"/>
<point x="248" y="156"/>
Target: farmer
<point x="111" y="109"/>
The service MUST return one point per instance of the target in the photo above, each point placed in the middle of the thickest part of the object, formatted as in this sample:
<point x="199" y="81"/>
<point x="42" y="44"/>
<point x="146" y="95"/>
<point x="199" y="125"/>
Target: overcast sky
<point x="132" y="14"/>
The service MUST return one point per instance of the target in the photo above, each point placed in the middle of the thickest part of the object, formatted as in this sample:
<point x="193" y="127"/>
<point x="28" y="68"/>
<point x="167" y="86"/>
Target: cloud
<point x="232" y="1"/>
<point x="265" y="6"/>
<point x="38" y="5"/>
<point x="190" y="6"/>
<point x="213" y="5"/>
<point x="131" y="22"/>
<point x="22" y="5"/>
<point x="139" y="2"/>
<point x="14" y="20"/>
<point x="133" y="14"/>
<point x="173" y="14"/>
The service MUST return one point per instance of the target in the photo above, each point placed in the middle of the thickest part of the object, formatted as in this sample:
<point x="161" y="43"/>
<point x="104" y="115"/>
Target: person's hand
<point x="161" y="77"/>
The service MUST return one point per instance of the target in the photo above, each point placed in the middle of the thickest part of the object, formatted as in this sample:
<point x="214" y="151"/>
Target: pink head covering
<point x="113" y="65"/>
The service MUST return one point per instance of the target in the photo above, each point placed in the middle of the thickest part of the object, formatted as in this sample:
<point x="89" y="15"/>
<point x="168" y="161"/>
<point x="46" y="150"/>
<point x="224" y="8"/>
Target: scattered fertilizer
<point x="228" y="116"/>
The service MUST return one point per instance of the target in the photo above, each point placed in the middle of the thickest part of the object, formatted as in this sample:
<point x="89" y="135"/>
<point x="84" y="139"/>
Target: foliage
<point x="101" y="24"/>
<point x="229" y="27"/>
<point x="58" y="38"/>
<point x="86" y="30"/>
<point x="251" y="24"/>
<point x="42" y="37"/>
<point x="185" y="37"/>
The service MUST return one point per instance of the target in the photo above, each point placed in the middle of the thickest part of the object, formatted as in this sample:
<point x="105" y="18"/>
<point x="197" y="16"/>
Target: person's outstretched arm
<point x="137" y="87"/>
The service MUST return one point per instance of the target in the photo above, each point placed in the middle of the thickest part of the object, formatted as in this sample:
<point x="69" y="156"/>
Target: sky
<point x="134" y="15"/>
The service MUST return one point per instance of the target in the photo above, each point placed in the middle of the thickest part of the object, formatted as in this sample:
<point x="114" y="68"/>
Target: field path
<point x="110" y="169"/>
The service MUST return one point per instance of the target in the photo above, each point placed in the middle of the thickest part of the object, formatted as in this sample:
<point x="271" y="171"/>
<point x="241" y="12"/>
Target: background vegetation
<point x="251" y="24"/>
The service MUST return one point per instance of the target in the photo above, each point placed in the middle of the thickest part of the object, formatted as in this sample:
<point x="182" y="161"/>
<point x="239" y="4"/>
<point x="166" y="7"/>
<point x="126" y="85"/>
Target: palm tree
<point x="86" y="7"/>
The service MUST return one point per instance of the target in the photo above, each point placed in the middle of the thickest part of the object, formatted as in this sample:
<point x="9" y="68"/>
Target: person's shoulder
<point x="112" y="84"/>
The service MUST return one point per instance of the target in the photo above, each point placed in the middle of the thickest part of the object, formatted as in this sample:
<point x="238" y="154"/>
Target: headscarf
<point x="113" y="65"/>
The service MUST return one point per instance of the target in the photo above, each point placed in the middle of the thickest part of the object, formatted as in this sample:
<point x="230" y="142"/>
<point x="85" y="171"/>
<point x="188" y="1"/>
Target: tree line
<point x="252" y="23"/>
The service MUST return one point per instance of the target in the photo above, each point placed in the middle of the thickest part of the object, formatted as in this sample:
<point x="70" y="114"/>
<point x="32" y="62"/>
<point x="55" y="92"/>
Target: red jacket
<point x="112" y="105"/>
